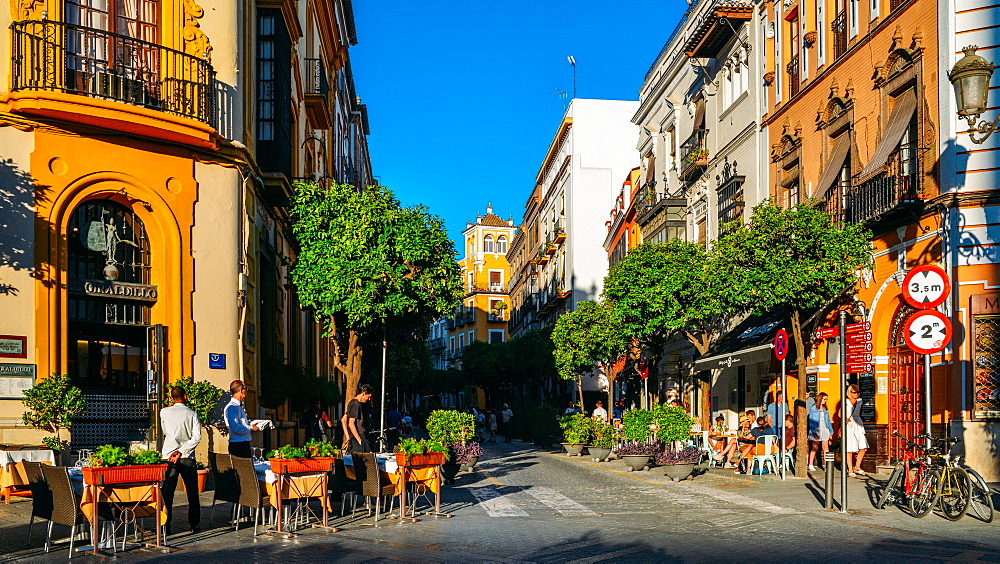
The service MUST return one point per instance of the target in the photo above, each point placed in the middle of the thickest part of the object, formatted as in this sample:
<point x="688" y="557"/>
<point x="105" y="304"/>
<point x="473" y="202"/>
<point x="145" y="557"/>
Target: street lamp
<point x="971" y="78"/>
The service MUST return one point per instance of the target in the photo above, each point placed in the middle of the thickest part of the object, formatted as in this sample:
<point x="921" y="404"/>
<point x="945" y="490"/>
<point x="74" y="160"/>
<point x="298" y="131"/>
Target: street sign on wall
<point x="927" y="331"/>
<point x="926" y="286"/>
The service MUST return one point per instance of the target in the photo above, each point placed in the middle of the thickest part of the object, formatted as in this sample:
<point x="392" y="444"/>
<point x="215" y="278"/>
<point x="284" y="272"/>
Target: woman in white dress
<point x="855" y="440"/>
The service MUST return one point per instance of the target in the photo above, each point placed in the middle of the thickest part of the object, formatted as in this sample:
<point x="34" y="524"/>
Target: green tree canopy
<point x="585" y="338"/>
<point x="365" y="262"/>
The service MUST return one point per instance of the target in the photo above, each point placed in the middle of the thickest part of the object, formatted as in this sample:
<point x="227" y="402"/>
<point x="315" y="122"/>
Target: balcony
<point x="717" y="28"/>
<point x="558" y="233"/>
<point x="61" y="57"/>
<point x="793" y="76"/>
<point x="550" y="248"/>
<point x="492" y="288"/>
<point x="694" y="155"/>
<point x="839" y="27"/>
<point x="436" y="344"/>
<point x="316" y="91"/>
<point x="896" y="189"/>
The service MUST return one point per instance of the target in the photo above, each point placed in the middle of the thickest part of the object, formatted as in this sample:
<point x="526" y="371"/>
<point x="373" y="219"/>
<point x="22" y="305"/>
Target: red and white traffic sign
<point x="859" y="368"/>
<point x="926" y="286"/>
<point x="858" y="357"/>
<point x="781" y="344"/>
<point x="859" y="347"/>
<point x="927" y="331"/>
<point x="858" y="338"/>
<point x="826" y="333"/>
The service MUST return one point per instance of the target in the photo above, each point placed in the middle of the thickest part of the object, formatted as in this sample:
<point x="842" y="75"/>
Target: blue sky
<point x="462" y="96"/>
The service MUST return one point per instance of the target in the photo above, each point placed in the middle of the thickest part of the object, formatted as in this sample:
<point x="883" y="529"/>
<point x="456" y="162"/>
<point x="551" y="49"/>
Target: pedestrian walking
<point x="855" y="441"/>
<point x="507" y="417"/>
<point x="237" y="422"/>
<point x="354" y="421"/>
<point x="820" y="429"/>
<point x="316" y="422"/>
<point x="600" y="414"/>
<point x="181" y="435"/>
<point x="491" y="422"/>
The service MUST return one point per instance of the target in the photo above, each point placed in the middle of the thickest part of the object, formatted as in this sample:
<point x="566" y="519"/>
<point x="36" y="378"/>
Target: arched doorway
<point x="109" y="303"/>
<point x="906" y="387"/>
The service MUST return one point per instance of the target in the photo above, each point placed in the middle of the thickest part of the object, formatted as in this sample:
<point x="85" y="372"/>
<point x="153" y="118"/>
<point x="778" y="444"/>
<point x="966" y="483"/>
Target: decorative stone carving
<point x="810" y="38"/>
<point x="195" y="41"/>
<point x="26" y="9"/>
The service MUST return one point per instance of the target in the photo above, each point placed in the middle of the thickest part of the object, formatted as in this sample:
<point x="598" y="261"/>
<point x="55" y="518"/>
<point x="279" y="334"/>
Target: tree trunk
<point x="579" y="390"/>
<point x="353" y="372"/>
<point x="801" y="417"/>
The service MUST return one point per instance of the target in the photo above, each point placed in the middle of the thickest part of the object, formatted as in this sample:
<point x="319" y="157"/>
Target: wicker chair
<point x="65" y="505"/>
<point x="372" y="483"/>
<point x="252" y="492"/>
<point x="227" y="483"/>
<point x="41" y="495"/>
<point x="341" y="484"/>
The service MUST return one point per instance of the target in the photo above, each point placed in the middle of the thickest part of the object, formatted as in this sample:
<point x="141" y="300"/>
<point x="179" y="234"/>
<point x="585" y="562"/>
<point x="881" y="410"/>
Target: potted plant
<point x="51" y="405"/>
<point x="679" y="464"/>
<point x="202" y="477"/>
<point x="290" y="459"/>
<point x="319" y="450"/>
<point x="637" y="454"/>
<point x="605" y="438"/>
<point x="466" y="455"/>
<point x="450" y="427"/>
<point x="113" y="465"/>
<point x="420" y="452"/>
<point x="577" y="431"/>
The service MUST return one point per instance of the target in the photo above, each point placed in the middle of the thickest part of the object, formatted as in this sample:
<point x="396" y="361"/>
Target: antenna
<point x="562" y="96"/>
<point x="572" y="61"/>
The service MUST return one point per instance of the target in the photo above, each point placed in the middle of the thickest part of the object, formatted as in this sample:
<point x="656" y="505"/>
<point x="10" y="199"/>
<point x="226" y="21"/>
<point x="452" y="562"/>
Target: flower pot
<point x="124" y="474"/>
<point x="574" y="449"/>
<point x="449" y="470"/>
<point x="599" y="453"/>
<point x="678" y="472"/>
<point x="636" y="463"/>
<point x="429" y="459"/>
<point x="471" y="463"/>
<point x="295" y="465"/>
<point x="202" y="481"/>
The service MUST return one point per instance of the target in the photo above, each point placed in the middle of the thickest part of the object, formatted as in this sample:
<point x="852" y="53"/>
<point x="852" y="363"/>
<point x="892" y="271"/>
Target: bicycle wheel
<point x="980" y="497"/>
<point x="891" y="490"/>
<point x="922" y="499"/>
<point x="955" y="489"/>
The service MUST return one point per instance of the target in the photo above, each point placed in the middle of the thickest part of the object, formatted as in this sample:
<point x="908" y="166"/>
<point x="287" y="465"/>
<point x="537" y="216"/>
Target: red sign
<point x="860" y="368"/>
<point x="859" y="338"/>
<point x="858" y="327"/>
<point x="781" y="344"/>
<point x="927" y="331"/>
<point x="926" y="286"/>
<point x="859" y="347"/>
<point x="644" y="368"/>
<point x="858" y="357"/>
<point x="827" y="333"/>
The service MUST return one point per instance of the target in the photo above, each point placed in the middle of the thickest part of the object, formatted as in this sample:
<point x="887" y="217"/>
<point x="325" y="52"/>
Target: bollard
<point x="828" y="504"/>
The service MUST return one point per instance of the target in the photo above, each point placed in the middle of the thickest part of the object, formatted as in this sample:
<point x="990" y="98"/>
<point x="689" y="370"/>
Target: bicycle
<point x="931" y="478"/>
<point x="980" y="497"/>
<point x="955" y="485"/>
<point x="380" y="440"/>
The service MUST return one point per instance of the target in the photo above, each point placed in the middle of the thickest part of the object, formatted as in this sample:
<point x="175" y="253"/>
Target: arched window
<point x="488" y="244"/>
<point x="502" y="245"/>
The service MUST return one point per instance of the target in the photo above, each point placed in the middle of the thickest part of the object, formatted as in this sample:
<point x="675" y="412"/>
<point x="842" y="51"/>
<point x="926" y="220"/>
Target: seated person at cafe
<point x="743" y="435"/>
<point x="763" y="428"/>
<point x="747" y="450"/>
<point x="724" y="446"/>
<point x="789" y="432"/>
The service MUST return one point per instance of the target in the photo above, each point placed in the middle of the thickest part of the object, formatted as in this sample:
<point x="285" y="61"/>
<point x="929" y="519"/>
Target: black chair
<point x="227" y="483"/>
<point x="344" y="486"/>
<point x="41" y="495"/>
<point x="372" y="483"/>
<point x="252" y="492"/>
<point x="65" y="504"/>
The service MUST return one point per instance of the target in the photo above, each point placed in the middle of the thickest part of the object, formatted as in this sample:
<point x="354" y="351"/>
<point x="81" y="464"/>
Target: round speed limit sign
<point x="927" y="331"/>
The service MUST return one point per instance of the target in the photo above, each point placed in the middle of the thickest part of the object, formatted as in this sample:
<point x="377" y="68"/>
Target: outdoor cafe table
<point x="399" y="476"/>
<point x="136" y="499"/>
<point x="281" y="486"/>
<point x="13" y="478"/>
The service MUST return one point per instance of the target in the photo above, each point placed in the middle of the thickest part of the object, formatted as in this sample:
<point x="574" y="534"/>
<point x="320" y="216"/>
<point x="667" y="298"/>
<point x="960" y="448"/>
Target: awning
<point x="899" y="120"/>
<point x="748" y="343"/>
<point x="699" y="114"/>
<point x="841" y="148"/>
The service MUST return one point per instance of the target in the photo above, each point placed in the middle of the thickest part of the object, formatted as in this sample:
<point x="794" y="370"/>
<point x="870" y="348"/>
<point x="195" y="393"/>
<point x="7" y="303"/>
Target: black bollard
<point x="828" y="504"/>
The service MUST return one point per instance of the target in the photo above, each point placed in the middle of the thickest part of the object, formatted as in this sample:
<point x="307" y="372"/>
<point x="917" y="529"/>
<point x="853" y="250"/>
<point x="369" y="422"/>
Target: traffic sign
<point x="859" y="368"/>
<point x="858" y="357"/>
<point x="927" y="331"/>
<point x="926" y="286"/>
<point x="781" y="344"/>
<point x="827" y="333"/>
<point x="858" y="327"/>
<point x="859" y="338"/>
<point x="859" y="347"/>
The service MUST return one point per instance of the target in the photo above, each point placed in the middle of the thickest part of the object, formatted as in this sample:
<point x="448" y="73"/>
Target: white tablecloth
<point x="36" y="455"/>
<point x="386" y="462"/>
<point x="264" y="474"/>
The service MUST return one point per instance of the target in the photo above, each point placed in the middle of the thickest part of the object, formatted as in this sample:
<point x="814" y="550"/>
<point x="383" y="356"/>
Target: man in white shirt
<point x="237" y="422"/>
<point x="181" y="434"/>
<point x="506" y="416"/>
<point x="600" y="414"/>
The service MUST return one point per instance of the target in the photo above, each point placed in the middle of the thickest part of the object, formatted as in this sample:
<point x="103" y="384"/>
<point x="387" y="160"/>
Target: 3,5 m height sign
<point x="926" y="286"/>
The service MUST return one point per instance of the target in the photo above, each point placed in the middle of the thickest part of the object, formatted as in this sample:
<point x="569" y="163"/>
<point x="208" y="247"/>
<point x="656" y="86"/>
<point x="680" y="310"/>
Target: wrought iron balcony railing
<point x="315" y="79"/>
<point x="839" y="27"/>
<point x="50" y="55"/>
<point x="793" y="76"/>
<point x="894" y="188"/>
<point x="695" y="154"/>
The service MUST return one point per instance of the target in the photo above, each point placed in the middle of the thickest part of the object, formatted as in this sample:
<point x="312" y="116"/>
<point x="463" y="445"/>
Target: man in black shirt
<point x="355" y="421"/>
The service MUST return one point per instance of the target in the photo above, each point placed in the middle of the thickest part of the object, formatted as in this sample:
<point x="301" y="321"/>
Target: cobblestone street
<point x="525" y="504"/>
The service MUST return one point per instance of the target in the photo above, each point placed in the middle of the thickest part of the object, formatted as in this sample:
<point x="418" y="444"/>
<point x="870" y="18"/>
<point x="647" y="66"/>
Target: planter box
<point x="429" y="459"/>
<point x="124" y="474"/>
<point x="295" y="465"/>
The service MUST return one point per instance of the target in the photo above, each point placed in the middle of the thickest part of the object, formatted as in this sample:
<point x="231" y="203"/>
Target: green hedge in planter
<point x="577" y="428"/>
<point x="635" y="424"/>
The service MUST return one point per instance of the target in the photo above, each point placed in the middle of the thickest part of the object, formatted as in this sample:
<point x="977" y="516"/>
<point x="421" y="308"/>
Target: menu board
<point x="812" y="383"/>
<point x="15" y="379"/>
<point x="866" y="384"/>
<point x="986" y="367"/>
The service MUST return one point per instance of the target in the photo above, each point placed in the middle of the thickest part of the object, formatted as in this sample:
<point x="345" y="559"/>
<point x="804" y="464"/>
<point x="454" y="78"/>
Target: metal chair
<point x="765" y="452"/>
<point x="227" y="483"/>
<point x="65" y="505"/>
<point x="251" y="492"/>
<point x="372" y="483"/>
<point x="41" y="495"/>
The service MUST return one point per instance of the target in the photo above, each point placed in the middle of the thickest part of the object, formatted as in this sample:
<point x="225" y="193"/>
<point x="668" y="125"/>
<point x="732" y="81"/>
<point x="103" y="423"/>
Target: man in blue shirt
<point x="236" y="420"/>
<point x="776" y="414"/>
